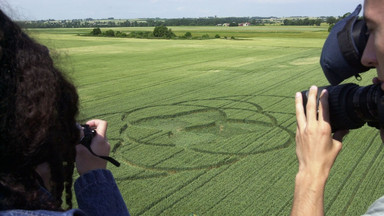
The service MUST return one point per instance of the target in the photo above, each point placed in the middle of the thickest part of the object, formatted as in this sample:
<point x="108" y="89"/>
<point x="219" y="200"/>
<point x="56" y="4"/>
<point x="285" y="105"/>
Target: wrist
<point x="310" y="181"/>
<point x="315" y="173"/>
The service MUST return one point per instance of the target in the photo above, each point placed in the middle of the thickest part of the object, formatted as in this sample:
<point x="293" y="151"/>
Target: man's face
<point x="374" y="52"/>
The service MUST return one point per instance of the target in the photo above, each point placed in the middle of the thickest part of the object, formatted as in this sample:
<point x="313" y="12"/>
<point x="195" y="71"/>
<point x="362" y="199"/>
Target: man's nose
<point x="369" y="56"/>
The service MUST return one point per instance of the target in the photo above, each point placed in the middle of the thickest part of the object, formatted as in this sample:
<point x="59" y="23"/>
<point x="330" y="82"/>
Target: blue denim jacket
<point x="96" y="193"/>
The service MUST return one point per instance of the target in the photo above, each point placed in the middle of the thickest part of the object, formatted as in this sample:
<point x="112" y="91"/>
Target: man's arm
<point x="309" y="195"/>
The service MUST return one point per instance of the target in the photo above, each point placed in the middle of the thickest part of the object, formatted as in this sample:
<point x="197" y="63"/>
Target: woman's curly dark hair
<point x="38" y="109"/>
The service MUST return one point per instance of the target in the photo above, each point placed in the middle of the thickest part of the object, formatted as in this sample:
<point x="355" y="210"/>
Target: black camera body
<point x="86" y="141"/>
<point x="350" y="106"/>
<point x="89" y="133"/>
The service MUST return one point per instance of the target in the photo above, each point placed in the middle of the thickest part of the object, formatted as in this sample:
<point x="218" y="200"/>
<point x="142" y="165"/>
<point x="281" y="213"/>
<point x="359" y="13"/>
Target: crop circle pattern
<point x="197" y="134"/>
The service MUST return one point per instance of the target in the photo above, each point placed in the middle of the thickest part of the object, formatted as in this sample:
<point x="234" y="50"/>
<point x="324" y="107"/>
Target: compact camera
<point x="350" y="106"/>
<point x="86" y="140"/>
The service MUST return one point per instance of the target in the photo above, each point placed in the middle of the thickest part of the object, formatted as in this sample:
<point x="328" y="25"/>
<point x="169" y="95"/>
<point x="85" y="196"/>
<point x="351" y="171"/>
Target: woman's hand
<point x="85" y="160"/>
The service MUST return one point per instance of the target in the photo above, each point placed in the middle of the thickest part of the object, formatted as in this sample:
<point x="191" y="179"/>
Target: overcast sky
<point x="79" y="9"/>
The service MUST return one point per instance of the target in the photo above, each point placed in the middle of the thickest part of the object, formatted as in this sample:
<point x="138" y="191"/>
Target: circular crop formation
<point x="197" y="134"/>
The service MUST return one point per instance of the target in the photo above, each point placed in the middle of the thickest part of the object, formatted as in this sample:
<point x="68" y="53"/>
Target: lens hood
<point x="343" y="49"/>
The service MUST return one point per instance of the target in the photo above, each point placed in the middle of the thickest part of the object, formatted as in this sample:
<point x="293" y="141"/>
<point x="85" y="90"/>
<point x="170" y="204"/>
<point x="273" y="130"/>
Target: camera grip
<point x="86" y="141"/>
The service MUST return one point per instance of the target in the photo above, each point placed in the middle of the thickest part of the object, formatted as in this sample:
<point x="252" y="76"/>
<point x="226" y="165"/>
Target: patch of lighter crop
<point x="305" y="61"/>
<point x="189" y="45"/>
<point x="282" y="66"/>
<point x="214" y="71"/>
<point x="93" y="49"/>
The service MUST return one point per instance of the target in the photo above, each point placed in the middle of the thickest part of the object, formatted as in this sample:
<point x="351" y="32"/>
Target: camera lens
<point x="351" y="106"/>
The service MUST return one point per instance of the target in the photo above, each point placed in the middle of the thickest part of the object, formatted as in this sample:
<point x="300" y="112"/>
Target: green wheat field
<point x="207" y="127"/>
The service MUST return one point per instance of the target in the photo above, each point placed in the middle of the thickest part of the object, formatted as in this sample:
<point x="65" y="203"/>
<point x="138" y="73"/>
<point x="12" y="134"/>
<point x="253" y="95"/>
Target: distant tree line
<point x="159" y="32"/>
<point x="153" y="22"/>
<point x="215" y="21"/>
<point x="303" y="22"/>
<point x="150" y="22"/>
<point x="76" y="23"/>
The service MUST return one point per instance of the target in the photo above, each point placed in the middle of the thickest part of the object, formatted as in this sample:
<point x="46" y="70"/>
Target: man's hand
<point x="316" y="152"/>
<point x="316" y="149"/>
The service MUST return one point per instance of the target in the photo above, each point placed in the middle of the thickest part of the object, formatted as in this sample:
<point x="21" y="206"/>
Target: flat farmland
<point x="207" y="127"/>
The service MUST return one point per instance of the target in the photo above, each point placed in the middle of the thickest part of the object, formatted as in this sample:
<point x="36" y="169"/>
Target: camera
<point x="350" y="106"/>
<point x="86" y="140"/>
<point x="88" y="134"/>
